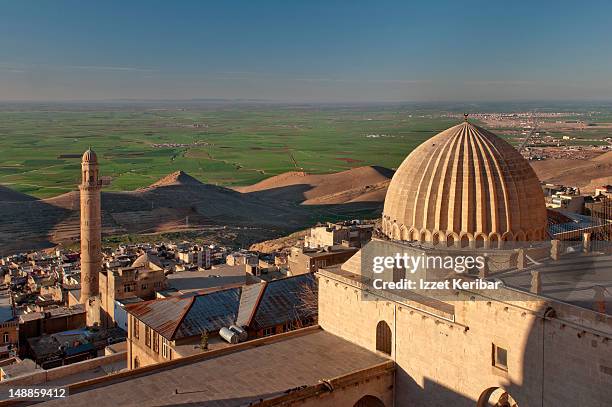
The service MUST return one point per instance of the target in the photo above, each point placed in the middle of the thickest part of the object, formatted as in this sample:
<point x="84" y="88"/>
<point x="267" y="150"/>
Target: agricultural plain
<point x="221" y="145"/>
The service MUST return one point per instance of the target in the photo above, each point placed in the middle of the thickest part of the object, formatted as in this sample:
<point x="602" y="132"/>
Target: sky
<point x="306" y="51"/>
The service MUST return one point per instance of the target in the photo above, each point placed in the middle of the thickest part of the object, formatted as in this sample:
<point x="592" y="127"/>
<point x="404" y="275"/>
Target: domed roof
<point x="90" y="156"/>
<point x="465" y="184"/>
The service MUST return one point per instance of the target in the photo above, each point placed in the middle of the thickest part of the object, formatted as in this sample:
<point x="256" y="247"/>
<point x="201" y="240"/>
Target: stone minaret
<point x="91" y="225"/>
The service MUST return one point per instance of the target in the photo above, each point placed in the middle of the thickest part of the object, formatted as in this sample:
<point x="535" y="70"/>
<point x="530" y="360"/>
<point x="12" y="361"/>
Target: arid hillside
<point x="586" y="174"/>
<point x="362" y="184"/>
<point x="179" y="202"/>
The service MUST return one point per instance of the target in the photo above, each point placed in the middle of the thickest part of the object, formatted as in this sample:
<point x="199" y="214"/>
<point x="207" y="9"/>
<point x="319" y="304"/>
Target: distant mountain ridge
<point x="586" y="174"/>
<point x="176" y="178"/>
<point x="360" y="184"/>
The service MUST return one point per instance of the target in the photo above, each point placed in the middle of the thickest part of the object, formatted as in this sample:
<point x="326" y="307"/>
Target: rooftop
<point x="57" y="312"/>
<point x="314" y="253"/>
<point x="573" y="279"/>
<point x="195" y="382"/>
<point x="258" y="305"/>
<point x="19" y="368"/>
<point x="563" y="222"/>
<point x="189" y="281"/>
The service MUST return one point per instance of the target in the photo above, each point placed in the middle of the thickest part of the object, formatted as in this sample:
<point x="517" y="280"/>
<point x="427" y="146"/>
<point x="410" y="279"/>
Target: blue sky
<point x="306" y="50"/>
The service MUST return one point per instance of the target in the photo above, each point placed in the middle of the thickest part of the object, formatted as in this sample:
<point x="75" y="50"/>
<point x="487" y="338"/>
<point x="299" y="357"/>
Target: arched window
<point x="480" y="241"/>
<point x="383" y="338"/>
<point x="494" y="241"/>
<point x="369" y="401"/>
<point x="136" y="363"/>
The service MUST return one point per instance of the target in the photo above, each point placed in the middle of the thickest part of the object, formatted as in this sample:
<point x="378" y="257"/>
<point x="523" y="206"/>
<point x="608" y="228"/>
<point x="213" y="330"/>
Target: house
<point x="175" y="327"/>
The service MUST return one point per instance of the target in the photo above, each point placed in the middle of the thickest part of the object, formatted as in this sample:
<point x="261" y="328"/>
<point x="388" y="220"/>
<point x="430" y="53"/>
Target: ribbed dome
<point x="90" y="156"/>
<point x="465" y="184"/>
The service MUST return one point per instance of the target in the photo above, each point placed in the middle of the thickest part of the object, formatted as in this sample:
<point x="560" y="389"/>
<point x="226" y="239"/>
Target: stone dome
<point x="89" y="156"/>
<point x="465" y="186"/>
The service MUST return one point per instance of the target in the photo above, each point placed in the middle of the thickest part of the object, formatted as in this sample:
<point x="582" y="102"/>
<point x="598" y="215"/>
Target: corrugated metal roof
<point x="182" y="316"/>
<point x="163" y="315"/>
<point x="258" y="306"/>
<point x="283" y="301"/>
<point x="210" y="312"/>
<point x="571" y="222"/>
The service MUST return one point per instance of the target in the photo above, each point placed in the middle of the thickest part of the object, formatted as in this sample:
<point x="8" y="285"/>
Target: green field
<point x="225" y="145"/>
<point x="220" y="143"/>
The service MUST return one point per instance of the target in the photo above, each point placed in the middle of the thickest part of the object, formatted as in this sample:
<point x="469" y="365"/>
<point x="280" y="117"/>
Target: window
<point x="157" y="284"/>
<point x="135" y="324"/>
<point x="6" y="337"/>
<point x="500" y="357"/>
<point x="383" y="338"/>
<point x="143" y="287"/>
<point x="165" y="348"/>
<point x="147" y="336"/>
<point x="268" y="331"/>
<point x="127" y="288"/>
<point x="399" y="273"/>
<point x="155" y="342"/>
<point x="136" y="363"/>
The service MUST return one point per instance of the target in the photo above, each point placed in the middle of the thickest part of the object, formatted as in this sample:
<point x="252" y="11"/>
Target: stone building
<point x="350" y="233"/>
<point x="171" y="328"/>
<point x="242" y="258"/>
<point x="303" y="260"/>
<point x="51" y="321"/>
<point x="127" y="283"/>
<point x="9" y="326"/>
<point x="466" y="187"/>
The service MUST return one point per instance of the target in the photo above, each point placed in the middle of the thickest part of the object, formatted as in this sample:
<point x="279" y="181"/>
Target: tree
<point x="204" y="340"/>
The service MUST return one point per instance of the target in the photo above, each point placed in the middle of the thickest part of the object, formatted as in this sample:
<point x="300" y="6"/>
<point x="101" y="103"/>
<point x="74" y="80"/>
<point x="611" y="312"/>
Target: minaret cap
<point x="90" y="156"/>
<point x="465" y="116"/>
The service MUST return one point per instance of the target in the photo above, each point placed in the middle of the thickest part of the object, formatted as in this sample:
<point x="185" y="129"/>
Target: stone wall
<point x="347" y="390"/>
<point x="137" y="348"/>
<point x="43" y="376"/>
<point x="551" y="360"/>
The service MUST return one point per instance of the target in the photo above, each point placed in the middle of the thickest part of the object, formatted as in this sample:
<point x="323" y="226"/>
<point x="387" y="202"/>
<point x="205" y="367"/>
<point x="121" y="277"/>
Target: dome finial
<point x="465" y="116"/>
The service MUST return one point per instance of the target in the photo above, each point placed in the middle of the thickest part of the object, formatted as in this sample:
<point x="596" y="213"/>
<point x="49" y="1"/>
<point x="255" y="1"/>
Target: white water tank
<point x="229" y="335"/>
<point x="242" y="334"/>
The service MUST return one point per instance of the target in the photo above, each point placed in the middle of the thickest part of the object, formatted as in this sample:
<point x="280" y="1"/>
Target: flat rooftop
<point x="573" y="279"/>
<point x="232" y="379"/>
<point x="218" y="276"/>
